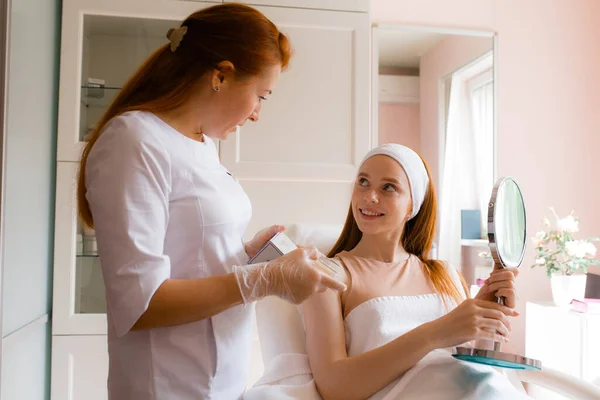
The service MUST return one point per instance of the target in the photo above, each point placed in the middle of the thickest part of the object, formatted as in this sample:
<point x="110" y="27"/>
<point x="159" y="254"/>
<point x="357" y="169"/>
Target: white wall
<point x="28" y="211"/>
<point x="26" y="362"/>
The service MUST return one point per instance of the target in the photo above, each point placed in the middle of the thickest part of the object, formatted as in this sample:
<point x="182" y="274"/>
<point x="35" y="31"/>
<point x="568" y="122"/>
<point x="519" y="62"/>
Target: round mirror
<point x="506" y="223"/>
<point x="506" y="232"/>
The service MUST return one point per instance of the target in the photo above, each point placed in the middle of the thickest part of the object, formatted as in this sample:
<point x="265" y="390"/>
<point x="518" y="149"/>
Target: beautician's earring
<point x="216" y="88"/>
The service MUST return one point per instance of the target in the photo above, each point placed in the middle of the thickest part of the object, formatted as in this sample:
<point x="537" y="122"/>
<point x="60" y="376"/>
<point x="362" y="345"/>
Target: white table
<point x="564" y="340"/>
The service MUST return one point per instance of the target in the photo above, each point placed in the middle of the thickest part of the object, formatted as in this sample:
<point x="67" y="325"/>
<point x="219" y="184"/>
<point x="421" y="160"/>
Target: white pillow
<point x="322" y="236"/>
<point x="279" y="323"/>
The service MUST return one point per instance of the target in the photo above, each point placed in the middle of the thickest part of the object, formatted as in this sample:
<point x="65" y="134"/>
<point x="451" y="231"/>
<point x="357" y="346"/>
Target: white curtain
<point x="459" y="178"/>
<point x="468" y="163"/>
<point x="482" y="106"/>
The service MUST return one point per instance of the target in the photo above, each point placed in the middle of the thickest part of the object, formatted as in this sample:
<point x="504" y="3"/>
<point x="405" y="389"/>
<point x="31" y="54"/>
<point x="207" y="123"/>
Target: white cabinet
<point x="563" y="340"/>
<point x="79" y="368"/>
<point x="313" y="131"/>
<point x="298" y="163"/>
<point x="104" y="41"/>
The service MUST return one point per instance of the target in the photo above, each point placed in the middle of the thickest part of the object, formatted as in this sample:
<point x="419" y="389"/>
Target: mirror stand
<point x="507" y="239"/>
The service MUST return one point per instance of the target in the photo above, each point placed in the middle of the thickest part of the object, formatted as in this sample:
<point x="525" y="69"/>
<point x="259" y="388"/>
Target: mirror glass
<point x="436" y="95"/>
<point x="509" y="223"/>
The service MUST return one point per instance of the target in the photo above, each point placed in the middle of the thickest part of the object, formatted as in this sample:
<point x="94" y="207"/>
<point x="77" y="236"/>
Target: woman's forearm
<point x="361" y="376"/>
<point x="181" y="301"/>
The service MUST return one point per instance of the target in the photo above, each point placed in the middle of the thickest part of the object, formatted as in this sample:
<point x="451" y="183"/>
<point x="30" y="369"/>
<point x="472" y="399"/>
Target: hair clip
<point x="175" y="36"/>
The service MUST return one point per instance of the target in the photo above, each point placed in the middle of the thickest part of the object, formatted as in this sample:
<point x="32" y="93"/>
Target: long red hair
<point x="417" y="238"/>
<point x="226" y="32"/>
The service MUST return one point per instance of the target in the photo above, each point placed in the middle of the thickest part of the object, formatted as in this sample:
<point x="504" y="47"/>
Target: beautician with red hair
<point x="169" y="218"/>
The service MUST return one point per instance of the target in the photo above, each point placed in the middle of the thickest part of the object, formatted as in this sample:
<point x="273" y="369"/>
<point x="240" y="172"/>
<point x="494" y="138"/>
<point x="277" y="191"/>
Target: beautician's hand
<point x="501" y="283"/>
<point x="261" y="238"/>
<point x="472" y="319"/>
<point x="294" y="277"/>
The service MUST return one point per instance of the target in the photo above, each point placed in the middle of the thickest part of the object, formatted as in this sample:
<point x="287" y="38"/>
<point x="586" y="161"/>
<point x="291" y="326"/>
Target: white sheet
<point x="437" y="376"/>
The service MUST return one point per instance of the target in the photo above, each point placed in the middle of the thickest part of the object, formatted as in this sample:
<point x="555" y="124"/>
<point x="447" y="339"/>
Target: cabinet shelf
<point x="98" y="97"/>
<point x="84" y="256"/>
<point x="94" y="102"/>
<point x="102" y="87"/>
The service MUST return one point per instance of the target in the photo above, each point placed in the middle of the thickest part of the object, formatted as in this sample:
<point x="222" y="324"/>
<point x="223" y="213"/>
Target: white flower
<point x="590" y="249"/>
<point x="580" y="248"/>
<point x="538" y="238"/>
<point x="568" y="224"/>
<point x="574" y="249"/>
<point x="540" y="261"/>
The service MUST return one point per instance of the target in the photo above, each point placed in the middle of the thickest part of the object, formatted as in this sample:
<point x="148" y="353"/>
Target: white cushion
<point x="279" y="323"/>
<point x="322" y="236"/>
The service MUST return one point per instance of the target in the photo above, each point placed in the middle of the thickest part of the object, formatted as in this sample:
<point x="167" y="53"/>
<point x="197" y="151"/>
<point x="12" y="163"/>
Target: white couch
<point x="281" y="331"/>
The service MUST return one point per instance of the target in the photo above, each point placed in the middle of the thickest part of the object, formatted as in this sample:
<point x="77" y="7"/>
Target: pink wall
<point x="549" y="97"/>
<point x="399" y="123"/>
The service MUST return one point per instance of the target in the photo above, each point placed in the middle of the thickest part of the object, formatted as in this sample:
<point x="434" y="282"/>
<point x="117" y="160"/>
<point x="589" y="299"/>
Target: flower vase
<point x="566" y="288"/>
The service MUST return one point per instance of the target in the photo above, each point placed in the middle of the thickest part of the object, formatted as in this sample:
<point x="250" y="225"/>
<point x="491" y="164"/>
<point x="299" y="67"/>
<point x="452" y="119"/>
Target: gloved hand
<point x="294" y="277"/>
<point x="260" y="239"/>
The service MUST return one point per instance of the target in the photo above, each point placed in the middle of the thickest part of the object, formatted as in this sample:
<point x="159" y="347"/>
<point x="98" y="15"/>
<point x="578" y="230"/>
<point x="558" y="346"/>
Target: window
<point x="466" y="151"/>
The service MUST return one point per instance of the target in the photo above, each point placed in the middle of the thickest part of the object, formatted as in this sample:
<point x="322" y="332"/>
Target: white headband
<point x="413" y="166"/>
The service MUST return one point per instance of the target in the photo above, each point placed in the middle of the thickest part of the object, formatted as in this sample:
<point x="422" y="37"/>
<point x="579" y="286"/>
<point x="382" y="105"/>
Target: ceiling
<point x="404" y="48"/>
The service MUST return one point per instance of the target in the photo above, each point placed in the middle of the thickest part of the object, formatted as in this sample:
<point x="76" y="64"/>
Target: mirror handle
<point x="498" y="345"/>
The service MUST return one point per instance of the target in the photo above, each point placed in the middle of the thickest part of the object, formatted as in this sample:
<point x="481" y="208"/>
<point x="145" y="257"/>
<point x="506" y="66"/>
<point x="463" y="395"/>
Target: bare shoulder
<point x="341" y="269"/>
<point x="334" y="266"/>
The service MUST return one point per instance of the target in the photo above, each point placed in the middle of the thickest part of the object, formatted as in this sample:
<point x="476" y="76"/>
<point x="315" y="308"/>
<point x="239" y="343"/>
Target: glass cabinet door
<point x="112" y="50"/>
<point x="79" y="305"/>
<point x="100" y="51"/>
<point x="89" y="285"/>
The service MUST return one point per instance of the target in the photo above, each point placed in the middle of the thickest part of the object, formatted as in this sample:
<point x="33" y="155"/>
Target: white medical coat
<point x="164" y="207"/>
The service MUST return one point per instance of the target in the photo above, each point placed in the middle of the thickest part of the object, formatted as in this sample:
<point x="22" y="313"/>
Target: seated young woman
<point x="390" y="334"/>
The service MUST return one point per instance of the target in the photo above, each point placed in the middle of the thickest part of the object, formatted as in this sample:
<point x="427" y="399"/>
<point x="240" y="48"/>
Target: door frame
<point x="375" y="27"/>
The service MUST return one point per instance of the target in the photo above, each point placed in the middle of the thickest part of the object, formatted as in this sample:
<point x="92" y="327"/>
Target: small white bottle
<point x="79" y="245"/>
<point x="89" y="246"/>
<point x="89" y="241"/>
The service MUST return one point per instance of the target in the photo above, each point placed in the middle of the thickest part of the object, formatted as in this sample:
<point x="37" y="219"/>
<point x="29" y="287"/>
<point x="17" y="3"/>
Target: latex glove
<point x="294" y="277"/>
<point x="260" y="239"/>
<point x="500" y="283"/>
